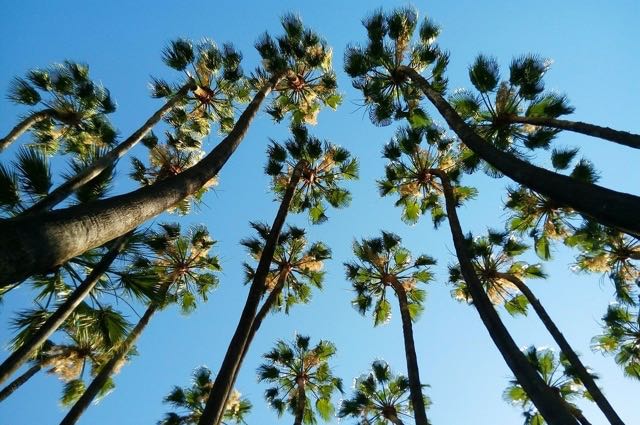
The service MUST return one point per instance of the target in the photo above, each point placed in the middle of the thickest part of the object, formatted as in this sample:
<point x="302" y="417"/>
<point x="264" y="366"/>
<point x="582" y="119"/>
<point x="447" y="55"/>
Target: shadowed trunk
<point x="24" y="126"/>
<point x="580" y="370"/>
<point x="39" y="242"/>
<point x="417" y="401"/>
<point x="606" y="133"/>
<point x="301" y="402"/>
<point x="92" y="171"/>
<point x="214" y="409"/>
<point x="616" y="209"/>
<point x="550" y="405"/>
<point x="19" y="381"/>
<point x="23" y="353"/>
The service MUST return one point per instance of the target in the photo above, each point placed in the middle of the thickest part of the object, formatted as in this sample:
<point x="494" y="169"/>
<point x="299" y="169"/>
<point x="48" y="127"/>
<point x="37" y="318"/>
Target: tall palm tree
<point x="189" y="402"/>
<point x="300" y="373"/>
<point x="374" y="62"/>
<point x="43" y="240"/>
<point x="384" y="263"/>
<point x="503" y="278"/>
<point x="380" y="397"/>
<point x="558" y="374"/>
<point x="441" y="182"/>
<point x="621" y="336"/>
<point x="183" y="270"/>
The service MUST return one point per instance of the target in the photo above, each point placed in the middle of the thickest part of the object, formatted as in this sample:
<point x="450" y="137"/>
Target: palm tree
<point x="189" y="402"/>
<point x="380" y="397"/>
<point x="382" y="263"/>
<point x="375" y="62"/>
<point x="33" y="236"/>
<point x="436" y="181"/>
<point x="183" y="270"/>
<point x="72" y="109"/>
<point x="558" y="374"/>
<point x="503" y="278"/>
<point x="300" y="373"/>
<point x="622" y="337"/>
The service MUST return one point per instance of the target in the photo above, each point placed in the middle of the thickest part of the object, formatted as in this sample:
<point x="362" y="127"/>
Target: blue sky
<point x="594" y="48"/>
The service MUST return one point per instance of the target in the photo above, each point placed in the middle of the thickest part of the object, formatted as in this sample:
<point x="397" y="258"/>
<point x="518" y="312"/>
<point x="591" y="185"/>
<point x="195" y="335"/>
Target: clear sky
<point x="595" y="52"/>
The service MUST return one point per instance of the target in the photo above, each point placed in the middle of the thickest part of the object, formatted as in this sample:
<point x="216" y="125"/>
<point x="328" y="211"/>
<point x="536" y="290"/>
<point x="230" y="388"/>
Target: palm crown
<point x="622" y="337"/>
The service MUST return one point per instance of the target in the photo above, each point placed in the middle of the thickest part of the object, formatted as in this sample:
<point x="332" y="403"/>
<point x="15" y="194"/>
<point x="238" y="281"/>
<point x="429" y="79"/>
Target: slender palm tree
<point x="184" y="270"/>
<point x="189" y="402"/>
<point x="41" y="241"/>
<point x="558" y="374"/>
<point x="374" y="62"/>
<point x="383" y="263"/>
<point x="621" y="335"/>
<point x="71" y="110"/>
<point x="300" y="373"/>
<point x="380" y="397"/>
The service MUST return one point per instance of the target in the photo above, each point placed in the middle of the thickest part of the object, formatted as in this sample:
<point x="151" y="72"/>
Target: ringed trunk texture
<point x="549" y="404"/>
<point x="24" y="352"/>
<point x="417" y="401"/>
<point x="609" y="207"/>
<point x="580" y="369"/>
<point x="19" y="381"/>
<point x="214" y="409"/>
<point x="85" y="176"/>
<point x="24" y="126"/>
<point x="37" y="243"/>
<point x="606" y="133"/>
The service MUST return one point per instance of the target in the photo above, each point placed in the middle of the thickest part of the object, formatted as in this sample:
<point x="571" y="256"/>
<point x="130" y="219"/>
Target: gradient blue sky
<point x="594" y="48"/>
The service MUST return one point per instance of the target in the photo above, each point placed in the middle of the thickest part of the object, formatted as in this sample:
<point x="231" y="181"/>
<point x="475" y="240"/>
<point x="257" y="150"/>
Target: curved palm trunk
<point x="92" y="171"/>
<point x="606" y="133"/>
<point x="548" y="403"/>
<point x="19" y="381"/>
<point x="616" y="209"/>
<point x="301" y="402"/>
<point x="24" y="125"/>
<point x="214" y="409"/>
<point x="24" y="352"/>
<point x="580" y="369"/>
<point x="37" y="243"/>
<point x="417" y="401"/>
<point x="107" y="370"/>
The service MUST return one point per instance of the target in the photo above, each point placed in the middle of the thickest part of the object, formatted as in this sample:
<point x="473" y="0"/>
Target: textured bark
<point x="616" y="209"/>
<point x="301" y="402"/>
<point x="92" y="171"/>
<point x="214" y="409"/>
<point x="417" y="401"/>
<point x="573" y="358"/>
<point x="19" y="381"/>
<point x="606" y="133"/>
<point x="549" y="404"/>
<point x="24" y="126"/>
<point x="38" y="243"/>
<point x="23" y="353"/>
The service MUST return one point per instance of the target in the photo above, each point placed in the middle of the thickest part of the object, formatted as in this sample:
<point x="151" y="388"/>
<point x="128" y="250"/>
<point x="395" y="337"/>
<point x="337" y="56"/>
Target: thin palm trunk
<point x="37" y="243"/>
<point x="417" y="401"/>
<point x="107" y="370"/>
<point x="24" y="126"/>
<point x="301" y="402"/>
<point x="23" y="353"/>
<point x="103" y="163"/>
<point x="606" y="133"/>
<point x="580" y="370"/>
<point x="548" y="403"/>
<point x="19" y="381"/>
<point x="616" y="209"/>
<point x="214" y="409"/>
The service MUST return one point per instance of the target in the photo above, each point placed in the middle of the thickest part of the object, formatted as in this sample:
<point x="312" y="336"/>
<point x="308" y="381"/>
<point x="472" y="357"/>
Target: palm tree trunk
<point x="23" y="353"/>
<point x="580" y="370"/>
<point x="214" y="409"/>
<point x="301" y="403"/>
<point x="107" y="370"/>
<point x="606" y="133"/>
<point x="17" y="383"/>
<point x="394" y="419"/>
<point x="616" y="209"/>
<point x="36" y="243"/>
<point x="417" y="401"/>
<point x="24" y="126"/>
<point x="85" y="176"/>
<point x="547" y="402"/>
